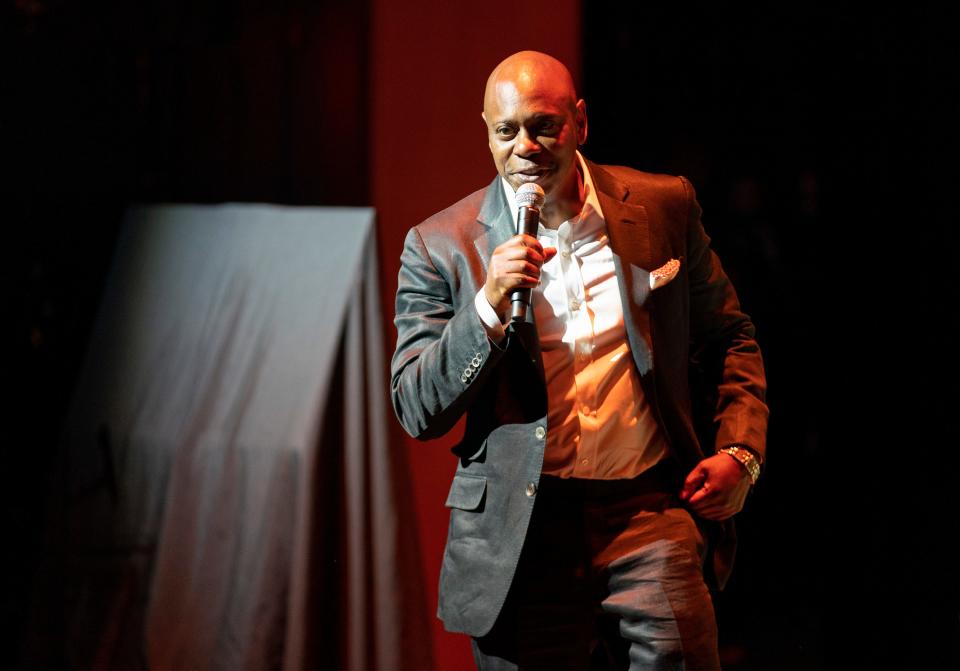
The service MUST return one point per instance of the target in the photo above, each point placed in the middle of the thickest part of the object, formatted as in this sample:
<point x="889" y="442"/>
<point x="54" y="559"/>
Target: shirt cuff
<point x="491" y="322"/>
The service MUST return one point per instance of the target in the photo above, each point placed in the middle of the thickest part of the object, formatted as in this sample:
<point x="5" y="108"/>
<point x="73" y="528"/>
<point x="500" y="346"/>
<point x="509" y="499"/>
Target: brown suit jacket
<point x="445" y="366"/>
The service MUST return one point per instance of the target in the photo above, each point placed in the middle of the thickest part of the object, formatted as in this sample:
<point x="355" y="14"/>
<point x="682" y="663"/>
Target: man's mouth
<point x="529" y="174"/>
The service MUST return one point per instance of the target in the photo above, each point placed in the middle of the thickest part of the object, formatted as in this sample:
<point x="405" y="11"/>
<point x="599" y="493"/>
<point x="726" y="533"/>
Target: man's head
<point x="534" y="121"/>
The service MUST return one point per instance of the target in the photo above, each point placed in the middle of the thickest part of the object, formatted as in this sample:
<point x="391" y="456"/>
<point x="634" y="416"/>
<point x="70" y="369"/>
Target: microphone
<point x="530" y="198"/>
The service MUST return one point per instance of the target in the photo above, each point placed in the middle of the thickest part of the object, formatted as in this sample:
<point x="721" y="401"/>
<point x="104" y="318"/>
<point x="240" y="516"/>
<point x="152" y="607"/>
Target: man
<point x="583" y="499"/>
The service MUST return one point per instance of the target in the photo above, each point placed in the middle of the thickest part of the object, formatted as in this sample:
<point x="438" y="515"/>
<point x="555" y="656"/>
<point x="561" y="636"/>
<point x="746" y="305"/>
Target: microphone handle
<point x="528" y="219"/>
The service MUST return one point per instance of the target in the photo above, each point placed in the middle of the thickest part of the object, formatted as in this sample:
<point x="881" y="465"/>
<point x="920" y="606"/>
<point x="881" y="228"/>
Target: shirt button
<point x="565" y="254"/>
<point x="540" y="433"/>
<point x="574" y="305"/>
<point x="531" y="488"/>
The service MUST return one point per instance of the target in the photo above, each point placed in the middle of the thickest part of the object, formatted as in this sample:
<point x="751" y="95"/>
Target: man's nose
<point x="526" y="144"/>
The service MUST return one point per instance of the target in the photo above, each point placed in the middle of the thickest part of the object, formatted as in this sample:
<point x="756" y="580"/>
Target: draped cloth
<point x="228" y="451"/>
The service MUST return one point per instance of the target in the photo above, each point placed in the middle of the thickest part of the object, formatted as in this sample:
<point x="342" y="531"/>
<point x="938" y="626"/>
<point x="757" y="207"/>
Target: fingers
<point x="711" y="505"/>
<point x="692" y="483"/>
<point x="712" y="491"/>
<point x="524" y="247"/>
<point x="519" y="273"/>
<point x="520" y="267"/>
<point x="718" y="506"/>
<point x="515" y="264"/>
<point x="528" y="241"/>
<point x="519" y="259"/>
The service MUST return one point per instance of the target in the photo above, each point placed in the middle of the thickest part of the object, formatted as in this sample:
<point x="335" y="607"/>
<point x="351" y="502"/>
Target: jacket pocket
<point x="467" y="492"/>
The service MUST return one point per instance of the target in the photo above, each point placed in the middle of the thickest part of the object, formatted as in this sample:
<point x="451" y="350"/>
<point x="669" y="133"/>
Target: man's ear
<point x="581" y="122"/>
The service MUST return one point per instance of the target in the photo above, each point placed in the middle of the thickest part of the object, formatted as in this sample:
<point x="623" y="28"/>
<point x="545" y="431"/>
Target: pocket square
<point x="664" y="274"/>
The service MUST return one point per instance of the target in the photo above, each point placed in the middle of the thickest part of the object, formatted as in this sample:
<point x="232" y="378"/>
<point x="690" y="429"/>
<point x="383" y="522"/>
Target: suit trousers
<point x="610" y="577"/>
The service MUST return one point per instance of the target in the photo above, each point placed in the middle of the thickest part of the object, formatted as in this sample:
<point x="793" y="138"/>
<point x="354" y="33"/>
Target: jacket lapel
<point x="628" y="227"/>
<point x="496" y="218"/>
<point x="500" y="227"/>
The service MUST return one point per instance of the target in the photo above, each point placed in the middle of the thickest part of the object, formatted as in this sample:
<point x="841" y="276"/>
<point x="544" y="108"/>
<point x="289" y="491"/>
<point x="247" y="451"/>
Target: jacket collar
<point x="494" y="212"/>
<point x="608" y="184"/>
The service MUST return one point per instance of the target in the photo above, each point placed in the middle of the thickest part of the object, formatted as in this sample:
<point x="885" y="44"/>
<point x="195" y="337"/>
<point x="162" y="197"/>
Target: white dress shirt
<point x="599" y="423"/>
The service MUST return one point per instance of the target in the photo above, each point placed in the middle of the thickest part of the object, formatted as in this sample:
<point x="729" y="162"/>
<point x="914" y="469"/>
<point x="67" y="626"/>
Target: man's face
<point x="533" y="128"/>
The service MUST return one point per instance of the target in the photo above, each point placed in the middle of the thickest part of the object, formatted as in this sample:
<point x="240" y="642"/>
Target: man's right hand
<point x="514" y="265"/>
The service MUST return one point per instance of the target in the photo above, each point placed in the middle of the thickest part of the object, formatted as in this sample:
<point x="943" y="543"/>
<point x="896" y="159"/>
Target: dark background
<point x="821" y="142"/>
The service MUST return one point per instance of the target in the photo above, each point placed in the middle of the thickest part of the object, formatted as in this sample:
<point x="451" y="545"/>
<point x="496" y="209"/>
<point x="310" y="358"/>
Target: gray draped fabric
<point x="234" y="503"/>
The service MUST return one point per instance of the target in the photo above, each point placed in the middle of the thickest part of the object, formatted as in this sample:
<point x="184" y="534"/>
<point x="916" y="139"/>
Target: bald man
<point x="584" y="510"/>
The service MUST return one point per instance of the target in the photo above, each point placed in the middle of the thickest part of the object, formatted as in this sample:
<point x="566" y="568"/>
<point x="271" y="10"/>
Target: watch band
<point x="746" y="459"/>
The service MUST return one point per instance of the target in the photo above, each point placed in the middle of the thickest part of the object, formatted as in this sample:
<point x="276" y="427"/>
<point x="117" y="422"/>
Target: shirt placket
<point x="582" y="342"/>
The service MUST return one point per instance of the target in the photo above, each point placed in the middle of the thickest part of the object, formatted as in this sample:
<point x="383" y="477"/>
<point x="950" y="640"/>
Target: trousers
<point x="610" y="578"/>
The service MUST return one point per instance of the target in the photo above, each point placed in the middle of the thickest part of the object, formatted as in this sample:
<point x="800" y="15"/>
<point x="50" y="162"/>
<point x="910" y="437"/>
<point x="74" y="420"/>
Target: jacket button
<point x="540" y="433"/>
<point x="531" y="488"/>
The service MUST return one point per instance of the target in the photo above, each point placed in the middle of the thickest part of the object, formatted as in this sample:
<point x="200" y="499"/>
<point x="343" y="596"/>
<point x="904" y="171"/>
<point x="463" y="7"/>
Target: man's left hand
<point x="716" y="488"/>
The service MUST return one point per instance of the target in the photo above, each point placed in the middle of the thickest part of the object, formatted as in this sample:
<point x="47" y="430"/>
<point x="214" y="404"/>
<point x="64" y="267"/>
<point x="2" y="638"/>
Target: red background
<point x="429" y="65"/>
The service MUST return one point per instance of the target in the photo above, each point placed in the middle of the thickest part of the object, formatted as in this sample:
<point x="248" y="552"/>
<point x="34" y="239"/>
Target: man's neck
<point x="566" y="203"/>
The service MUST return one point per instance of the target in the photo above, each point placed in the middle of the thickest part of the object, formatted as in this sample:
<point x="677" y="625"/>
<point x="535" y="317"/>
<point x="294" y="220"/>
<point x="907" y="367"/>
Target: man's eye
<point x="549" y="128"/>
<point x="505" y="132"/>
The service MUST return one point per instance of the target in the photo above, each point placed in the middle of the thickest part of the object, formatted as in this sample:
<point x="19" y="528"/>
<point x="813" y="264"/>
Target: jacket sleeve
<point x="442" y="354"/>
<point x="723" y="337"/>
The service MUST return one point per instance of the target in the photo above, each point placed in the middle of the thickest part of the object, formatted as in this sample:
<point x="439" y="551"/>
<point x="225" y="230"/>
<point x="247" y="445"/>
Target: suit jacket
<point x="445" y="366"/>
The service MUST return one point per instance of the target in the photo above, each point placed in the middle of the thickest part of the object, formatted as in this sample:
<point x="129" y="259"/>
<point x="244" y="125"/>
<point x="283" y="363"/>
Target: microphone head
<point x="530" y="195"/>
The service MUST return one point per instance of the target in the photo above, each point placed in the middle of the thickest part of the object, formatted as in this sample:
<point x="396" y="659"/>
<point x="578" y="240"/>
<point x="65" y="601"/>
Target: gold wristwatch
<point x="746" y="459"/>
